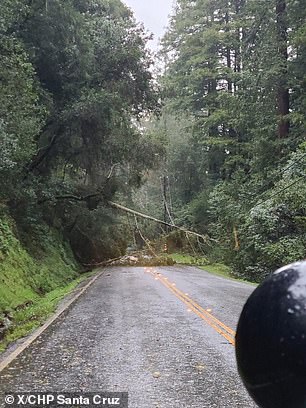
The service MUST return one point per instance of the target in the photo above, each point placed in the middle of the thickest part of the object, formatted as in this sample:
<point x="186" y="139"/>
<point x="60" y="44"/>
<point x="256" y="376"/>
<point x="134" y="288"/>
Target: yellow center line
<point x="211" y="320"/>
<point x="208" y="314"/>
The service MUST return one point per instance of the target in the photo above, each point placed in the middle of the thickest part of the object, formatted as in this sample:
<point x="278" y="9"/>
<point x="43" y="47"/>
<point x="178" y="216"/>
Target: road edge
<point x="37" y="333"/>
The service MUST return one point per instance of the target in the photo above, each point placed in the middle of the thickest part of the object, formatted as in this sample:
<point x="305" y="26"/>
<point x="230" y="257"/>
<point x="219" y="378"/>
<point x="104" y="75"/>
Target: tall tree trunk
<point x="239" y="4"/>
<point x="228" y="54"/>
<point x="282" y="97"/>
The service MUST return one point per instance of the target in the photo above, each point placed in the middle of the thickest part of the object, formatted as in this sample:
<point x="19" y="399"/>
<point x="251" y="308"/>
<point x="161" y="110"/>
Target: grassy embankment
<point x="31" y="286"/>
<point x="202" y="263"/>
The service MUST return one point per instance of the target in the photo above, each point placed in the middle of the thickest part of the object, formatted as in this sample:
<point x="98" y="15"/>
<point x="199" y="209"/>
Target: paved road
<point x="165" y="335"/>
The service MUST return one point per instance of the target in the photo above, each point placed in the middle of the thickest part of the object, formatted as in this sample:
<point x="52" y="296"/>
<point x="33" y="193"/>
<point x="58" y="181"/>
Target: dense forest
<point x="75" y="83"/>
<point x="215" y="142"/>
<point x="233" y="122"/>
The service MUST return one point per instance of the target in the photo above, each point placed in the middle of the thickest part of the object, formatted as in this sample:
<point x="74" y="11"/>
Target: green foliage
<point x="271" y="227"/>
<point x="28" y="318"/>
<point x="7" y="238"/>
<point x="75" y="84"/>
<point x="90" y="126"/>
<point x="25" y="277"/>
<point x="203" y="263"/>
<point x="20" y="115"/>
<point x="236" y="72"/>
<point x="184" y="259"/>
<point x="31" y="285"/>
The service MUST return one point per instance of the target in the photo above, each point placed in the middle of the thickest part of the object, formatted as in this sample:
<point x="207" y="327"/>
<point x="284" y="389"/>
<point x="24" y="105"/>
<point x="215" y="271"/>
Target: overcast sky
<point x="154" y="14"/>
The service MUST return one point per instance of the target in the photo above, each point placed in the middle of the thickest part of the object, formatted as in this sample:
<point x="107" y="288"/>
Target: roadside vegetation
<point x="32" y="281"/>
<point x="203" y="263"/>
<point x="31" y="315"/>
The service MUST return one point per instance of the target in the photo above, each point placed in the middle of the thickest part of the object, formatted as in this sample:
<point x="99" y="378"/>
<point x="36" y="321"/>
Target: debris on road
<point x="141" y="259"/>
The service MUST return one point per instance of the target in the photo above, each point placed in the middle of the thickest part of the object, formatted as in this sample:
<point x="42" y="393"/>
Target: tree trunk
<point x="282" y="97"/>
<point x="228" y="54"/>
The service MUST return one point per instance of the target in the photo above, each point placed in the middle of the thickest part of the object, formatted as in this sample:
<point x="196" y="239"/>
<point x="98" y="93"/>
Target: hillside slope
<point x="32" y="278"/>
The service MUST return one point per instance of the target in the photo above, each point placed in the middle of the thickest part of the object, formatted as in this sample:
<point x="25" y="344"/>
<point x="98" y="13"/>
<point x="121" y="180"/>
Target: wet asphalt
<point x="129" y="332"/>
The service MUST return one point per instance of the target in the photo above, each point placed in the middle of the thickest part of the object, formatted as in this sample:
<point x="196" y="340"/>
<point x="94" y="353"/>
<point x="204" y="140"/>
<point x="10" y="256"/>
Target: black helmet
<point x="271" y="340"/>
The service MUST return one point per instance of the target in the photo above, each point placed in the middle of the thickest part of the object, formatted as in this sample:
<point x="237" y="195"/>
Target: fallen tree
<point x="120" y="207"/>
